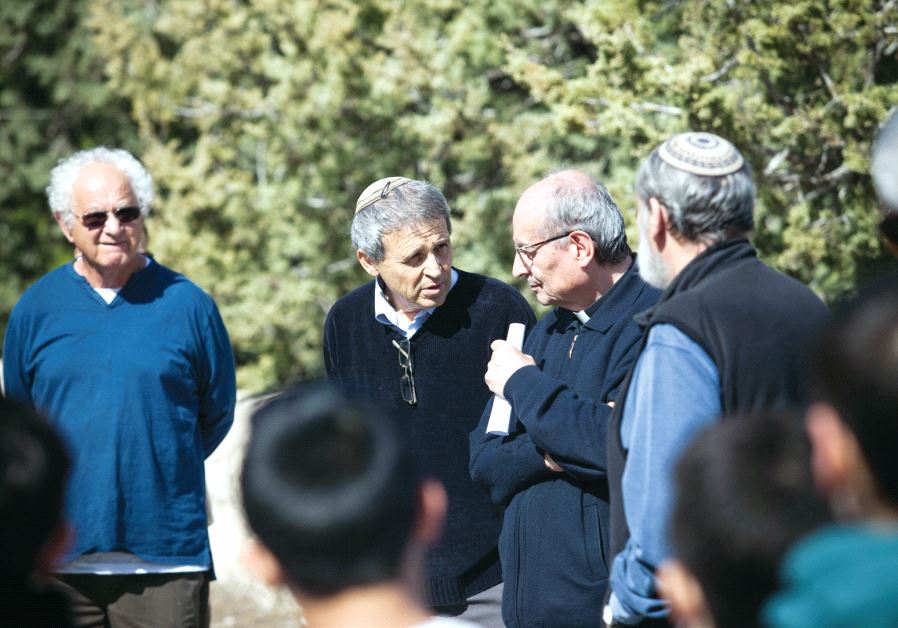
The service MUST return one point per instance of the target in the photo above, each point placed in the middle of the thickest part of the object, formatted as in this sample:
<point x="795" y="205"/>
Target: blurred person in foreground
<point x="744" y="495"/>
<point x="34" y="466"/>
<point x="549" y="471"/>
<point x="334" y="493"/>
<point x="847" y="574"/>
<point x="416" y="341"/>
<point x="131" y="362"/>
<point x="728" y="337"/>
<point x="884" y="170"/>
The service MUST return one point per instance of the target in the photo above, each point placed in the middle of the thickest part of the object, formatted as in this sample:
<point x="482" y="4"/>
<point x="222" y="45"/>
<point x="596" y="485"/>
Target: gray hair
<point x="576" y="202"/>
<point x="702" y="208"/>
<point x="416" y="202"/>
<point x="64" y="175"/>
<point x="884" y="164"/>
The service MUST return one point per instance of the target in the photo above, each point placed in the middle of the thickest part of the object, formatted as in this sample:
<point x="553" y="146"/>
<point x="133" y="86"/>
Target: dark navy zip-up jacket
<point x="554" y="538"/>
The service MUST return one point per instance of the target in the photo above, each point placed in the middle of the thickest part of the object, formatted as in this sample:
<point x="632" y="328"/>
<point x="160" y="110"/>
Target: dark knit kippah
<point x="703" y="154"/>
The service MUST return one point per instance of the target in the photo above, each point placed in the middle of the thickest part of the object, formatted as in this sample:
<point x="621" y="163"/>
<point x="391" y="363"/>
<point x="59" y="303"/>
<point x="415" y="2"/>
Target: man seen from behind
<point x="728" y="337"/>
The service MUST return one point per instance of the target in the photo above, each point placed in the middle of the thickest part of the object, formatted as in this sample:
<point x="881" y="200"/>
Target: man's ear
<point x="682" y="591"/>
<point x="367" y="263"/>
<point x="658" y="222"/>
<point x="67" y="232"/>
<point x="833" y="448"/>
<point x="262" y="563"/>
<point x="432" y="506"/>
<point x="584" y="246"/>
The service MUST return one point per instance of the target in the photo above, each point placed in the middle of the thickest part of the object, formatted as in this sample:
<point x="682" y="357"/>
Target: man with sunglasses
<point x="549" y="470"/>
<point x="415" y="340"/>
<point x="133" y="364"/>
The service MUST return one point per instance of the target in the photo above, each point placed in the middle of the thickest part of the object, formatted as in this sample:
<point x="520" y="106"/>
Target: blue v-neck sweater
<point x="450" y="354"/>
<point x="142" y="389"/>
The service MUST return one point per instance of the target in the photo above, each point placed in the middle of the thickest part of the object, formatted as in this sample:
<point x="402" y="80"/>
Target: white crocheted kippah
<point x="703" y="154"/>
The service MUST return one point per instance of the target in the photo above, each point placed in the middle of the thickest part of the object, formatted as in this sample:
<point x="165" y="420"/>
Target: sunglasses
<point x="407" y="381"/>
<point x="95" y="220"/>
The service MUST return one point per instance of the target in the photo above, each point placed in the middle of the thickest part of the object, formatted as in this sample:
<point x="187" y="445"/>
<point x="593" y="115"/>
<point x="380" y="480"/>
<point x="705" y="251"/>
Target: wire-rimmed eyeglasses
<point x="528" y="251"/>
<point x="407" y="381"/>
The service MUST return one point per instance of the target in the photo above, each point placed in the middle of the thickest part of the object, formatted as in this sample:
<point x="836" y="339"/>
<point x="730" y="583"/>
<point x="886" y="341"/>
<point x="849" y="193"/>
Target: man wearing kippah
<point x="728" y="337"/>
<point x="416" y="341"/>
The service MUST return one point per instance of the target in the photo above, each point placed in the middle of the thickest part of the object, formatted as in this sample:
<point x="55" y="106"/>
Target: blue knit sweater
<point x="142" y="389"/>
<point x="450" y="354"/>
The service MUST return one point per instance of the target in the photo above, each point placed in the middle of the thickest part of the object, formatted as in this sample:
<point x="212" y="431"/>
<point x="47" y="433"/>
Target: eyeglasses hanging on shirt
<point x="407" y="381"/>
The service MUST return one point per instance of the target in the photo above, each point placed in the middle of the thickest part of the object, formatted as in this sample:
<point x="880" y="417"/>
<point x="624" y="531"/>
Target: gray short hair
<point x="64" y="175"/>
<point x="414" y="203"/>
<point x="702" y="208"/>
<point x="884" y="164"/>
<point x="575" y="205"/>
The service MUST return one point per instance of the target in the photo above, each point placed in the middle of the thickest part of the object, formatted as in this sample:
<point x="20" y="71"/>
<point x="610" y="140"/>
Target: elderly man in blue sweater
<point x="415" y="340"/>
<point x="132" y="363"/>
<point x="549" y="471"/>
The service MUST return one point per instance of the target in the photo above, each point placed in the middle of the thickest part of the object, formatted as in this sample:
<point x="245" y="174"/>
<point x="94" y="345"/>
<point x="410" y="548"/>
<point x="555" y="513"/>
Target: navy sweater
<point x="555" y="534"/>
<point x="450" y="353"/>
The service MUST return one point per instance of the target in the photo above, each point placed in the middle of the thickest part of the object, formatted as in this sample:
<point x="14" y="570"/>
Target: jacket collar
<point x="704" y="265"/>
<point x="612" y="305"/>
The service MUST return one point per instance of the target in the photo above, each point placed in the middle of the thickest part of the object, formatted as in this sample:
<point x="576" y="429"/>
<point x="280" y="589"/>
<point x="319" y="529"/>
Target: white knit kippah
<point x="704" y="154"/>
<point x="378" y="190"/>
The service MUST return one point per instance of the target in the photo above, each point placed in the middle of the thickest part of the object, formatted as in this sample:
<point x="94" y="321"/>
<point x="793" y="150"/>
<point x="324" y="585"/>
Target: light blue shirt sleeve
<point x="675" y="393"/>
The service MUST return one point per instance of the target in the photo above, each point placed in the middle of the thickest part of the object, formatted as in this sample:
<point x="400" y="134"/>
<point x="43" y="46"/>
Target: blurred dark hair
<point x="330" y="487"/>
<point x="744" y="494"/>
<point x="856" y="371"/>
<point x="34" y="467"/>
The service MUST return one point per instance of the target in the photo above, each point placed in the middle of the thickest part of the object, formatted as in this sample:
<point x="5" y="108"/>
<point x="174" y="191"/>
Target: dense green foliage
<point x="261" y="120"/>
<point x="53" y="100"/>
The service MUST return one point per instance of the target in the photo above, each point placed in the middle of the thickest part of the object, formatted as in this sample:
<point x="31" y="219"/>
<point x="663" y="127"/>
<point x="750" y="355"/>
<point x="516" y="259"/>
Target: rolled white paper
<point x="500" y="415"/>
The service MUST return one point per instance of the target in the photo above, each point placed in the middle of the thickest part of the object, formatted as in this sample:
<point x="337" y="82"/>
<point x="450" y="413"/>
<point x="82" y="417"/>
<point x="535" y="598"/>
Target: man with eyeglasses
<point x="415" y="340"/>
<point x="132" y="363"/>
<point x="549" y="470"/>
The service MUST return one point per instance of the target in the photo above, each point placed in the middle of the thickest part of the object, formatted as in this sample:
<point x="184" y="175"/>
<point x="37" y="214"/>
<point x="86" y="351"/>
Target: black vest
<point x="755" y="323"/>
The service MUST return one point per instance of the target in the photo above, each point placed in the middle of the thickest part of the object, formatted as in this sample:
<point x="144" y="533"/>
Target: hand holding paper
<point x="507" y="358"/>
